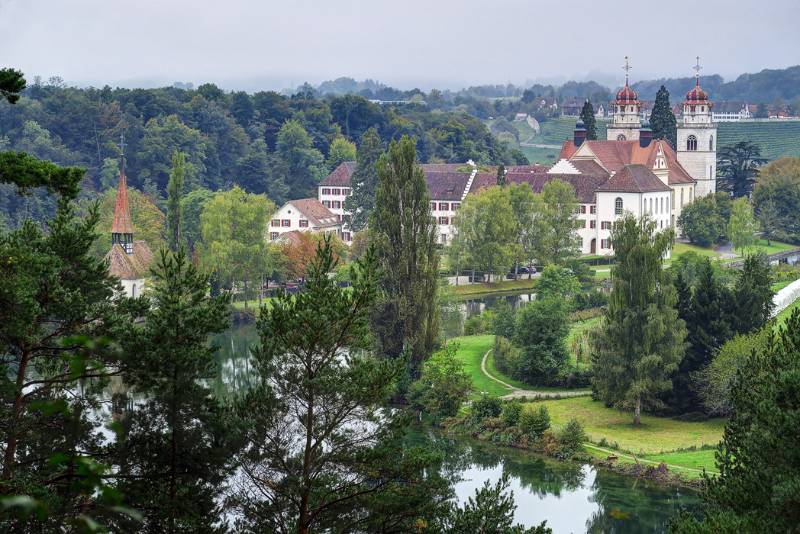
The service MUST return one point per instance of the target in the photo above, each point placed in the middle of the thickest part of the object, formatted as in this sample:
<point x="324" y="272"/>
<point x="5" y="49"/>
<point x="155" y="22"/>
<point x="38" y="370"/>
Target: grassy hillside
<point x="776" y="139"/>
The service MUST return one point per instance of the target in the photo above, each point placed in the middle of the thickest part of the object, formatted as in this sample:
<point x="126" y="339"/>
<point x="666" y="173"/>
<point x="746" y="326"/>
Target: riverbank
<point x="686" y="448"/>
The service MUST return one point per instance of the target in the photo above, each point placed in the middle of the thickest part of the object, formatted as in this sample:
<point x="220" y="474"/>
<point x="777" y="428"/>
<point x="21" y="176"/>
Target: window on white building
<point x="592" y="224"/>
<point x="303" y="223"/>
<point x="275" y="222"/>
<point x="618" y="206"/>
<point x="605" y="225"/>
<point x="711" y="143"/>
<point x="593" y="209"/>
<point x="326" y="191"/>
<point x="443" y="220"/>
<point x="443" y="206"/>
<point x="286" y="223"/>
<point x="273" y="236"/>
<point x="454" y="206"/>
<point x="433" y="206"/>
<point x="691" y="143"/>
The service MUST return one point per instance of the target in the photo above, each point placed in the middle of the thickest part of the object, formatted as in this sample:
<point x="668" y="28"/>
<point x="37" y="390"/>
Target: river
<point x="572" y="498"/>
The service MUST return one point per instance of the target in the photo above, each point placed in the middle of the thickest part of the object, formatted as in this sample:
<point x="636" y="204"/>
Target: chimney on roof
<point x="645" y="135"/>
<point x="580" y="134"/>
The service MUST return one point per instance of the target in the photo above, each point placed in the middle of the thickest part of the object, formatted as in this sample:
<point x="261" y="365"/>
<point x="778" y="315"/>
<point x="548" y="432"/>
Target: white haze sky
<point x="250" y="44"/>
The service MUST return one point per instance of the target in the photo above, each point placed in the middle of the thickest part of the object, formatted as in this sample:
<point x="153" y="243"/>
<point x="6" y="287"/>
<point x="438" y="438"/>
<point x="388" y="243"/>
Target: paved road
<point x="517" y="393"/>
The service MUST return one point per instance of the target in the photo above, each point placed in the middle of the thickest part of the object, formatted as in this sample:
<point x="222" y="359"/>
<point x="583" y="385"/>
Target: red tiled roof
<point x="589" y="167"/>
<point x="447" y="185"/>
<point x="527" y="168"/>
<point x="122" y="215"/>
<point x="340" y="175"/>
<point x="130" y="266"/>
<point x="614" y="155"/>
<point x="634" y="179"/>
<point x="315" y="212"/>
<point x="445" y="167"/>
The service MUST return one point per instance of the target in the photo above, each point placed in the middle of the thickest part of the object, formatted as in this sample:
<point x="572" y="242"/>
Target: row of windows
<point x="659" y="206"/>
<point x="335" y="204"/>
<point x="336" y="191"/>
<point x="445" y="206"/>
<point x="582" y="209"/>
<point x="287" y="223"/>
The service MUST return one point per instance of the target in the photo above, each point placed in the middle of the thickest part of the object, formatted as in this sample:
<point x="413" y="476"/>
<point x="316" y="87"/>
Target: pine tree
<point x="641" y="340"/>
<point x="321" y="454"/>
<point x="405" y="317"/>
<point x="176" y="450"/>
<point x="709" y="323"/>
<point x="662" y="119"/>
<point x="364" y="180"/>
<point x="753" y="294"/>
<point x="758" y="459"/>
<point x="174" y="194"/>
<point x="587" y="117"/>
<point x="12" y="83"/>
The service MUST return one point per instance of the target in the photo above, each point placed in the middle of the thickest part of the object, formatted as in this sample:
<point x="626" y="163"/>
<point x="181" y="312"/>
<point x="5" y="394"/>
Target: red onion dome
<point x="696" y="96"/>
<point x="626" y="95"/>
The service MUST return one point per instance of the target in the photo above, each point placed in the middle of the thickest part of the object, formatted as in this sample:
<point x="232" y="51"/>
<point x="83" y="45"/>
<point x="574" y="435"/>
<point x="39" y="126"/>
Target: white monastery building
<point x="303" y="215"/>
<point x="629" y="171"/>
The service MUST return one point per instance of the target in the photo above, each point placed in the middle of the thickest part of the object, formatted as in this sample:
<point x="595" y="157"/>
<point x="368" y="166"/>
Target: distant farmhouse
<point x="628" y="172"/>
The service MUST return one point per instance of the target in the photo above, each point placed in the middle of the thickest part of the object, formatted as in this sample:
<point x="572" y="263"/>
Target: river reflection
<point x="572" y="498"/>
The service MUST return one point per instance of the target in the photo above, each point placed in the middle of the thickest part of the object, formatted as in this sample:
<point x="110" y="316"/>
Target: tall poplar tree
<point x="559" y="239"/>
<point x="174" y="193"/>
<point x="587" y="117"/>
<point x="404" y="233"/>
<point x="364" y="180"/>
<point x="641" y="340"/>
<point x="662" y="119"/>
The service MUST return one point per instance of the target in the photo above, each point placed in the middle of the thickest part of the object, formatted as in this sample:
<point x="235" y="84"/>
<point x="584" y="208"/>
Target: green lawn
<point x="470" y="351"/>
<point x="505" y="378"/>
<point x="494" y="287"/>
<point x="699" y="459"/>
<point x="773" y="248"/>
<point x="655" y="435"/>
<point x="682" y="248"/>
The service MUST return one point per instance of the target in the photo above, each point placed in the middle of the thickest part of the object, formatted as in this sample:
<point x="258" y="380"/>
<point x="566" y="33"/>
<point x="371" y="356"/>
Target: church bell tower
<point x="697" y="138"/>
<point x="627" y="112"/>
<point x="122" y="226"/>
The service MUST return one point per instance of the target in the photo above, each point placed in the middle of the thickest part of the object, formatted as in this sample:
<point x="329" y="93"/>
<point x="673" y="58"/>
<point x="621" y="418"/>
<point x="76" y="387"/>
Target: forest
<point x="264" y="142"/>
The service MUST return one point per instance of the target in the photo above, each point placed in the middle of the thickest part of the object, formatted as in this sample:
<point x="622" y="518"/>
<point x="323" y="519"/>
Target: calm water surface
<point x="572" y="498"/>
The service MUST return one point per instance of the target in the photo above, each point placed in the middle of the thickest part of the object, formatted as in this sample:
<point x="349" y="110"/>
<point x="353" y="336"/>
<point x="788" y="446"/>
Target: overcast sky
<point x="254" y="44"/>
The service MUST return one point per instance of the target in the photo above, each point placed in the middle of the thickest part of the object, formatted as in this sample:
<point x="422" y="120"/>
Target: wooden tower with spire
<point x="128" y="260"/>
<point x="122" y="227"/>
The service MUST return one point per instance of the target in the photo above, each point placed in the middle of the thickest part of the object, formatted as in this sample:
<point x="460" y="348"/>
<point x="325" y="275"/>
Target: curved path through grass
<point x="519" y="393"/>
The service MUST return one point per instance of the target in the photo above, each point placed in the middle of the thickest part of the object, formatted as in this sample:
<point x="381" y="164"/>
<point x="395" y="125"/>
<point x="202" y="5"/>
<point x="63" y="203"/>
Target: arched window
<point x="711" y="143"/>
<point x="691" y="143"/>
<point x="618" y="206"/>
<point x="620" y="137"/>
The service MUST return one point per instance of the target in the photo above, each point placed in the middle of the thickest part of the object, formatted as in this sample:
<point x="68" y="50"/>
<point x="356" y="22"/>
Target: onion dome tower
<point x="627" y="112"/>
<point x="697" y="137"/>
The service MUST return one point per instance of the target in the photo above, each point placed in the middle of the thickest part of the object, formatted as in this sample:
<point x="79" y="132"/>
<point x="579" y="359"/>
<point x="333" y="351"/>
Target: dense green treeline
<point x="264" y="142"/>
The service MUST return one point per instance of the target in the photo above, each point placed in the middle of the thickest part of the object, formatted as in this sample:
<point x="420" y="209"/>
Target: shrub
<point x="542" y="330"/>
<point x="571" y="438"/>
<point x="590" y="299"/>
<point x="486" y="406"/>
<point x="474" y="325"/>
<point x="504" y="322"/>
<point x="534" y="422"/>
<point x="511" y="412"/>
<point x="443" y="386"/>
<point x="506" y="356"/>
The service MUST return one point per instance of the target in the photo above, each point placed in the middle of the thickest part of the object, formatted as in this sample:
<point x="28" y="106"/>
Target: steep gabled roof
<point x="132" y="266"/>
<point x="340" y="176"/>
<point x="122" y="223"/>
<point x="613" y="155"/>
<point x="634" y="179"/>
<point x="313" y="210"/>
